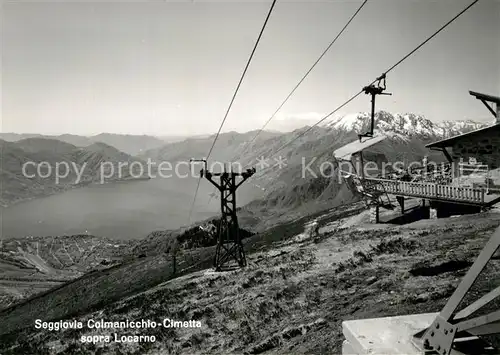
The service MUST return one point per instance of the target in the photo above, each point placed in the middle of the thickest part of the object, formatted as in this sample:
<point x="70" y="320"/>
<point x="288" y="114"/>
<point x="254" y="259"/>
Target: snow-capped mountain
<point x="407" y="124"/>
<point x="453" y="128"/>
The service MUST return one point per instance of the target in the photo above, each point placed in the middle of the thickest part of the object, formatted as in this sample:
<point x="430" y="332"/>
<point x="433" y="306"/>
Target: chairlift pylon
<point x="374" y="90"/>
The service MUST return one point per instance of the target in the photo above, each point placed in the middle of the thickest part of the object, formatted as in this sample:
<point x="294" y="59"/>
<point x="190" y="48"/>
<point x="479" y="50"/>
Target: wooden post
<point x="362" y="174"/>
<point x="374" y="214"/>
<point x="498" y="113"/>
<point x="357" y="162"/>
<point x="174" y="261"/>
<point x="401" y="201"/>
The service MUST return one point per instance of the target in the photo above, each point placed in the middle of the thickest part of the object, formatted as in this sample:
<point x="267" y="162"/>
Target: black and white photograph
<point x="183" y="177"/>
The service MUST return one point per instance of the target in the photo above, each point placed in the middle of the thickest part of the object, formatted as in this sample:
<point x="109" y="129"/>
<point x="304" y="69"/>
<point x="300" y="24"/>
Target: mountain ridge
<point x="22" y="181"/>
<point x="128" y="143"/>
<point x="411" y="129"/>
<point x="404" y="123"/>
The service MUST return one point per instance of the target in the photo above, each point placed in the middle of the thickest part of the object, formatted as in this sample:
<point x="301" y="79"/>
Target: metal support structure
<point x="456" y="330"/>
<point x="372" y="193"/>
<point x="374" y="90"/>
<point x="229" y="245"/>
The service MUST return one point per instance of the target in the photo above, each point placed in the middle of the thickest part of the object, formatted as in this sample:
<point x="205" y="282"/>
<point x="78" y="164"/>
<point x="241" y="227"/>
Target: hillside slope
<point x="278" y="303"/>
<point x="407" y="133"/>
<point x="130" y="144"/>
<point x="297" y="167"/>
<point x="41" y="157"/>
<point x="291" y="298"/>
<point x="32" y="265"/>
<point x="227" y="146"/>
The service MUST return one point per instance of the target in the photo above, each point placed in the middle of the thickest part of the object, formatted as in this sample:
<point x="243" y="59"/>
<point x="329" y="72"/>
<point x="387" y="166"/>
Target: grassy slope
<point x="295" y="292"/>
<point x="292" y="197"/>
<point x="103" y="287"/>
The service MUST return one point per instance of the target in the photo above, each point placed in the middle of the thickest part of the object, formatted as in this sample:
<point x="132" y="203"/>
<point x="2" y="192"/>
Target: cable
<point x="317" y="123"/>
<point x="299" y="83"/>
<point x="196" y="264"/>
<point x="309" y="71"/>
<point x="191" y="209"/>
<point x="242" y="76"/>
<point x="386" y="72"/>
<point x="232" y="101"/>
<point x="431" y="37"/>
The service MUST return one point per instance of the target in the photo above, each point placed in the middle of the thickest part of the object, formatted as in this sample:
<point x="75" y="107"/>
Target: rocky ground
<point x="296" y="291"/>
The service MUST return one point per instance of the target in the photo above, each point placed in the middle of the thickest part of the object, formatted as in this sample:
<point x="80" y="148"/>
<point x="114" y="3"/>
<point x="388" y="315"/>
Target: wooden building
<point x="482" y="145"/>
<point x="470" y="182"/>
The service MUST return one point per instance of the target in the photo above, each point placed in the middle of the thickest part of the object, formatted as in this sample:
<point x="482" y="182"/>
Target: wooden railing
<point x="467" y="169"/>
<point x="429" y="190"/>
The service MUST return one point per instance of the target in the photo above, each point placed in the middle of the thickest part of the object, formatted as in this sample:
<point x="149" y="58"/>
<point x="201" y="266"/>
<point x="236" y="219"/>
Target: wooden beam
<point x="447" y="155"/>
<point x="489" y="108"/>
<point x="486" y="97"/>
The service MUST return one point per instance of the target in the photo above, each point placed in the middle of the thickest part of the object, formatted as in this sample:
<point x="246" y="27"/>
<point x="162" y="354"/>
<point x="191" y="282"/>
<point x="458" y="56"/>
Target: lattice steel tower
<point x="229" y="245"/>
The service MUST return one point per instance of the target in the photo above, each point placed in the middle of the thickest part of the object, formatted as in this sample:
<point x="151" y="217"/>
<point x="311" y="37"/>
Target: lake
<point x="125" y="210"/>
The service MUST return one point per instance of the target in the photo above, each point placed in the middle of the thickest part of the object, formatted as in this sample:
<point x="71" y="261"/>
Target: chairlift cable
<point x="299" y="83"/>
<point x="383" y="75"/>
<point x="231" y="103"/>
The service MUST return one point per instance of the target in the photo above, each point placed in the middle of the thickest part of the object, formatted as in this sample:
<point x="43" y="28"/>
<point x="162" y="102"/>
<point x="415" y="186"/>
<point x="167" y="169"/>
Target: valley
<point x="409" y="133"/>
<point x="96" y="254"/>
<point x="290" y="299"/>
<point x="250" y="177"/>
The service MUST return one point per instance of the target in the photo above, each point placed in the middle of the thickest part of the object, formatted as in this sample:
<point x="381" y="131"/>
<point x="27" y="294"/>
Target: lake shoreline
<point x="67" y="188"/>
<point x="118" y="210"/>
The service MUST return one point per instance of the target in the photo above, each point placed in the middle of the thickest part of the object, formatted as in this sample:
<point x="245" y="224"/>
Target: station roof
<point x="346" y="152"/>
<point x="451" y="141"/>
<point x="485" y="97"/>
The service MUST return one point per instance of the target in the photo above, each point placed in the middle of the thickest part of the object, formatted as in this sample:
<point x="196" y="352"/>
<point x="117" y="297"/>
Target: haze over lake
<point x="126" y="210"/>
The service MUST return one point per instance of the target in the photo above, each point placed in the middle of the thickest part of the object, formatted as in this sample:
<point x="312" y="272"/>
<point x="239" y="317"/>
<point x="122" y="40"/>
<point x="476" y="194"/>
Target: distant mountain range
<point x="407" y="124"/>
<point x="283" y="193"/>
<point x="83" y="167"/>
<point x="279" y="187"/>
<point x="155" y="146"/>
<point x="130" y="144"/>
<point x="197" y="147"/>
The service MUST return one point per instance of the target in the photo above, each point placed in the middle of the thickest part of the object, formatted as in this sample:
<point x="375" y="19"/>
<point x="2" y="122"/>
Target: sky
<point x="170" y="68"/>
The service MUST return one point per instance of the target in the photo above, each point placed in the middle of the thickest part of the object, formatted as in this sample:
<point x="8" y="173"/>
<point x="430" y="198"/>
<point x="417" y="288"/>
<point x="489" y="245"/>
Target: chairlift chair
<point x="373" y="192"/>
